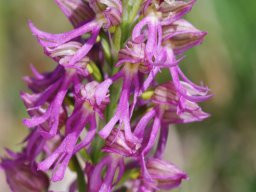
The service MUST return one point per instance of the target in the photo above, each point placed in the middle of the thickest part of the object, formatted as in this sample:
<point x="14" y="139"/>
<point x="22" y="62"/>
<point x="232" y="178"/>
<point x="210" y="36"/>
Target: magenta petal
<point x="35" y="72"/>
<point x="150" y="79"/>
<point x="162" y="141"/>
<point x="37" y="120"/>
<point x="60" y="171"/>
<point x="82" y="52"/>
<point x="148" y="144"/>
<point x="153" y="39"/>
<point x="111" y="163"/>
<point x="46" y="164"/>
<point x="141" y="125"/>
<point x="104" y="133"/>
<point x="136" y="33"/>
<point x="117" y="143"/>
<point x="102" y="90"/>
<point x="51" y="40"/>
<point x="165" y="175"/>
<point x="62" y="155"/>
<point x="89" y="135"/>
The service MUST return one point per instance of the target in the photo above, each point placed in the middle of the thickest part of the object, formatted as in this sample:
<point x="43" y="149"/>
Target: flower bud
<point x="181" y="36"/>
<point x="177" y="109"/>
<point x="111" y="9"/>
<point x="164" y="175"/>
<point x="165" y="93"/>
<point x="117" y="143"/>
<point x="77" y="11"/>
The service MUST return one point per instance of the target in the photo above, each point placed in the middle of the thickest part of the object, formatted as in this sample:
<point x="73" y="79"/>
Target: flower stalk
<point x="80" y="174"/>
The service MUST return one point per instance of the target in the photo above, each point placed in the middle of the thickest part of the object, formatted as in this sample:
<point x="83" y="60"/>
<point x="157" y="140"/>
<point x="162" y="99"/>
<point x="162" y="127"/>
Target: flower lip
<point x="134" y="54"/>
<point x="88" y="97"/>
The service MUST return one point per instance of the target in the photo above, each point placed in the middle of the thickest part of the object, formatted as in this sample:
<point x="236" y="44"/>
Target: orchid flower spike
<point x="102" y="111"/>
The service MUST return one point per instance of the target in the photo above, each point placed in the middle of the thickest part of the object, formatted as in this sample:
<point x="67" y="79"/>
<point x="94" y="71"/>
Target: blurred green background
<point x="218" y="154"/>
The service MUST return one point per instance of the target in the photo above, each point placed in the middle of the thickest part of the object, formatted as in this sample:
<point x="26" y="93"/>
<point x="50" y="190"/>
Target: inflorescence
<point x="101" y="112"/>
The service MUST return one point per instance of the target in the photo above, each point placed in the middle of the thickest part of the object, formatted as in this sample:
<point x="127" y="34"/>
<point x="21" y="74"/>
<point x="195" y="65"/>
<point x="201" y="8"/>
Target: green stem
<point x="96" y="153"/>
<point x="130" y="10"/>
<point x="80" y="174"/>
<point x="115" y="90"/>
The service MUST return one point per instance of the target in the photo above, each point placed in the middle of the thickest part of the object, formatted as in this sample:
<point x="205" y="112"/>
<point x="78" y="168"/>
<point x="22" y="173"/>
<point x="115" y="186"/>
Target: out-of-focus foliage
<point x="218" y="154"/>
<point x="220" y="151"/>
